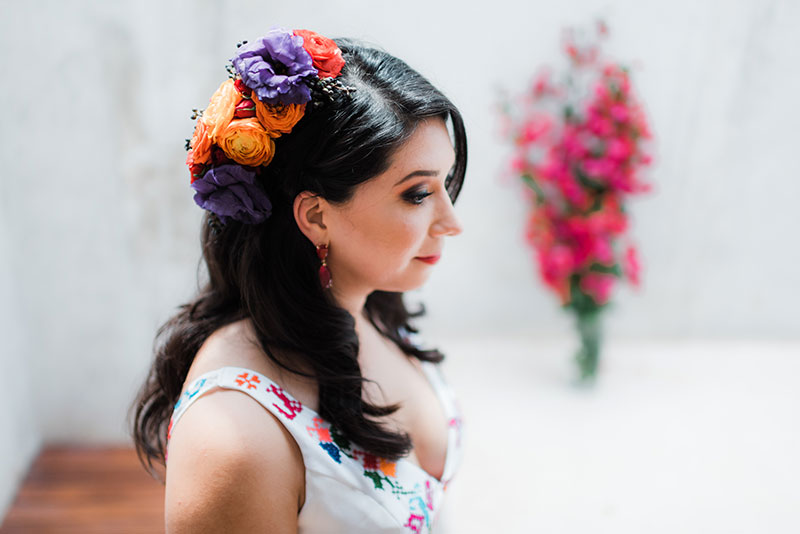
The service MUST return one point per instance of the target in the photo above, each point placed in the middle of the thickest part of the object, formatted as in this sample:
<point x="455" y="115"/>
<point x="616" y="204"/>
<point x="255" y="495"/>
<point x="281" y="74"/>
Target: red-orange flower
<point x="196" y="170"/>
<point x="326" y="56"/>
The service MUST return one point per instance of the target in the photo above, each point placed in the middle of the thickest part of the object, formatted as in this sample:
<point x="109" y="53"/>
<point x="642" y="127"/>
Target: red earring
<point x="324" y="273"/>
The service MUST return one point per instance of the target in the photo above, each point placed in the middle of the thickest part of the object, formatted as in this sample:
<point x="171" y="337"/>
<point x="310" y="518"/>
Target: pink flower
<point x="535" y="128"/>
<point x="573" y="192"/>
<point x="556" y="266"/>
<point x="602" y="252"/>
<point x="584" y="165"/>
<point x="631" y="266"/>
<point x="575" y="231"/>
<point x="542" y="85"/>
<point x="601" y="93"/>
<point x="574" y="147"/>
<point x="599" y="168"/>
<point x="618" y="149"/>
<point x="609" y="219"/>
<point x="600" y="126"/>
<point x="619" y="113"/>
<point x="619" y="181"/>
<point x="598" y="286"/>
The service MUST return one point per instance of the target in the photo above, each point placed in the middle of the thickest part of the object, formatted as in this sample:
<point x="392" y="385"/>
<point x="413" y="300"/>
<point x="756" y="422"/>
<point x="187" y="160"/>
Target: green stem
<point x="588" y="356"/>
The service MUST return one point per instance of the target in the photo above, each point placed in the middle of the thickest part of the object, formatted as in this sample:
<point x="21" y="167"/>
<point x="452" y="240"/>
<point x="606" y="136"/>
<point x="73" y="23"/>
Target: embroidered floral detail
<point x="319" y="430"/>
<point x="251" y="382"/>
<point x="293" y="406"/>
<point x="418" y="498"/>
<point x="196" y="389"/>
<point x="415" y="522"/>
<point x="189" y="393"/>
<point x="399" y="491"/>
<point x="428" y="495"/>
<point x="418" y="505"/>
<point x="376" y="477"/>
<point x="369" y="461"/>
<point x="388" y="468"/>
<point x="333" y="451"/>
<point x="340" y="441"/>
<point x="323" y="434"/>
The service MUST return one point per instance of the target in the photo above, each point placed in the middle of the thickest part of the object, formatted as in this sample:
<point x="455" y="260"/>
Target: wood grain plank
<point x="88" y="490"/>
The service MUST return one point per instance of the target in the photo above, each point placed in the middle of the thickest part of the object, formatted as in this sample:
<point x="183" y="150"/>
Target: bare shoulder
<point x="232" y="468"/>
<point x="236" y="345"/>
<point x="232" y="345"/>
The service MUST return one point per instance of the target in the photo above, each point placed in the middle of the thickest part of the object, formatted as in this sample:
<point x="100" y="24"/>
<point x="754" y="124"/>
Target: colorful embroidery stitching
<point x="419" y="509"/>
<point x="333" y="451"/>
<point x="293" y="406"/>
<point x="415" y="522"/>
<point x="383" y="473"/>
<point x="251" y="382"/>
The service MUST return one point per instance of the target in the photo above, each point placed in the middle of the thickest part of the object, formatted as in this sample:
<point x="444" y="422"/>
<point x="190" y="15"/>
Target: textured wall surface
<point x="20" y="435"/>
<point x="100" y="237"/>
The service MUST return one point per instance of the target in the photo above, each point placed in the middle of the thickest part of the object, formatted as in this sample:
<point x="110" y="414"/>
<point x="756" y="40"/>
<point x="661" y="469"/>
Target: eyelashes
<point x="416" y="196"/>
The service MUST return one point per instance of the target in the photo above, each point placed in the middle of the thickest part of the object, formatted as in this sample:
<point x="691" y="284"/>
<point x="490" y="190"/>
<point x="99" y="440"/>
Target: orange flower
<point x="278" y="119"/>
<point x="246" y="142"/>
<point x="220" y="110"/>
<point x="201" y="143"/>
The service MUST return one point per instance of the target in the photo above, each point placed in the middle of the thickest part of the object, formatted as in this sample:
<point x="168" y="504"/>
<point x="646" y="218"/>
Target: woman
<point x="328" y="173"/>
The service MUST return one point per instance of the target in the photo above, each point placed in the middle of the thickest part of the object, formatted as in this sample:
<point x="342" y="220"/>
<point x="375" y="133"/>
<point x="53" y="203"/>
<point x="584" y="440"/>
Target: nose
<point x="446" y="222"/>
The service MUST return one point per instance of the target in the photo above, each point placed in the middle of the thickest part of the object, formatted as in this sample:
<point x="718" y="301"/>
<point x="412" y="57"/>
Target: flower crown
<point x="272" y="80"/>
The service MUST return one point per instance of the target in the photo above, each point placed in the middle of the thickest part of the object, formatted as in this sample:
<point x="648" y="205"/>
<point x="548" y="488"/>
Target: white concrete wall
<point x="20" y="435"/>
<point x="101" y="234"/>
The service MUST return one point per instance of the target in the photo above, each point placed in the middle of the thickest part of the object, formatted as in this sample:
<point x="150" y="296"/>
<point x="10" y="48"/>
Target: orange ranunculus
<point x="220" y="110"/>
<point x="200" y="143"/>
<point x="246" y="142"/>
<point x="279" y="118"/>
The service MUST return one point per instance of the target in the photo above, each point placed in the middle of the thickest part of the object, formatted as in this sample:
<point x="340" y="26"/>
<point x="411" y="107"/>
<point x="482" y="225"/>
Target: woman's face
<point x="391" y="232"/>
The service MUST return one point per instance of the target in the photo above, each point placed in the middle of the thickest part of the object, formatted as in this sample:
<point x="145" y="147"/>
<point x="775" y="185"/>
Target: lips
<point x="429" y="259"/>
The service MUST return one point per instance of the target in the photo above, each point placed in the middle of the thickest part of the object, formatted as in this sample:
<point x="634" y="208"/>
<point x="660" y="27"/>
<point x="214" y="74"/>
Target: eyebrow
<point x="417" y="173"/>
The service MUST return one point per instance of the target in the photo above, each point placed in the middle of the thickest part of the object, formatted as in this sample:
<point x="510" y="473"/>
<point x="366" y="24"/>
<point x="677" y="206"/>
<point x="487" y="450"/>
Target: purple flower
<point x="231" y="191"/>
<point x="275" y="68"/>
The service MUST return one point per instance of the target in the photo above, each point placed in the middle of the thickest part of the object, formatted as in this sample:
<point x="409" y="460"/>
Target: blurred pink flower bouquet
<point x="580" y="146"/>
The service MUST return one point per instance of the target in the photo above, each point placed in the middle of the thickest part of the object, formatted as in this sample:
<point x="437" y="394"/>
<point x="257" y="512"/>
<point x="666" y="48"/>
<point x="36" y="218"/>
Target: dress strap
<point x="324" y="449"/>
<point x="401" y="488"/>
<point x="262" y="389"/>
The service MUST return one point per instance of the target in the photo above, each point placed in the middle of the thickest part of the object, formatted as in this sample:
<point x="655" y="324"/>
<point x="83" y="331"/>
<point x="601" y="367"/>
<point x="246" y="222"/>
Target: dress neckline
<point x="429" y="371"/>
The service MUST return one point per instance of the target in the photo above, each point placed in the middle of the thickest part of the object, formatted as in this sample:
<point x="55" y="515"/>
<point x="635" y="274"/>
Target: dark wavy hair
<point x="268" y="272"/>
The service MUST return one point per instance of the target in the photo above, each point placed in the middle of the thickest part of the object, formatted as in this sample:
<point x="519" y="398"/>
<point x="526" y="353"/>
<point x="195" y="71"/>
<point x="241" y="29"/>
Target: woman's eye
<point x="416" y="196"/>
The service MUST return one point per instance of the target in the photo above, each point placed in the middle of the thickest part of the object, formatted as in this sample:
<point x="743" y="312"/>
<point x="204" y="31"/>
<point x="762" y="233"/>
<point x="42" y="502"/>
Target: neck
<point x="352" y="301"/>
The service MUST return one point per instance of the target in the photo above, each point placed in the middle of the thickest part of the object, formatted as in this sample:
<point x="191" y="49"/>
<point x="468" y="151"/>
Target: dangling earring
<point x="324" y="273"/>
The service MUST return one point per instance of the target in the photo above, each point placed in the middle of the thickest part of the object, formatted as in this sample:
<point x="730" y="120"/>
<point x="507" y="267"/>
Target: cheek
<point x="395" y="240"/>
<point x="386" y="239"/>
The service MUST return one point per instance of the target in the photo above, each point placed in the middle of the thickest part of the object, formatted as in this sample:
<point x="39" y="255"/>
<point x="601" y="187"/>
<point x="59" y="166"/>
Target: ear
<point x="309" y="210"/>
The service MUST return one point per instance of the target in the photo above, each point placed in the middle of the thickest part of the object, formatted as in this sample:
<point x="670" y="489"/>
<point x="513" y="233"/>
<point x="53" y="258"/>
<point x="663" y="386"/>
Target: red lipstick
<point x="429" y="259"/>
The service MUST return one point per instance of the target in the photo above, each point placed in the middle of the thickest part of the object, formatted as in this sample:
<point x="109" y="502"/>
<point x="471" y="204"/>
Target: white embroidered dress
<point x="347" y="489"/>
